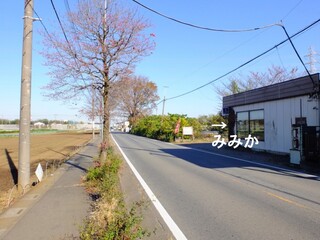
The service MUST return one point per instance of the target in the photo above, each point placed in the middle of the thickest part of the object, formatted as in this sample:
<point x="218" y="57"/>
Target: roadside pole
<point x="93" y="115"/>
<point x="25" y="99"/>
<point x="164" y="102"/>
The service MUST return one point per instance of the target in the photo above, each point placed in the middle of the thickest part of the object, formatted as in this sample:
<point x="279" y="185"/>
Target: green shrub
<point x="95" y="173"/>
<point x="162" y="127"/>
<point x="110" y="219"/>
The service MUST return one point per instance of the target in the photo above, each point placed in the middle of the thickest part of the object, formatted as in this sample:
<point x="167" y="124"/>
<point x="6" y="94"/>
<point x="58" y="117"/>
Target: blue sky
<point x="184" y="58"/>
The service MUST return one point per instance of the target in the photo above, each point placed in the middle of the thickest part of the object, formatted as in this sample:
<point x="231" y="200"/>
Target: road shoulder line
<point x="177" y="233"/>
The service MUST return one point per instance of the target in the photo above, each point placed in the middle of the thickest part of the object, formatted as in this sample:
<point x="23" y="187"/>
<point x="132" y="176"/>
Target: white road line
<point x="177" y="233"/>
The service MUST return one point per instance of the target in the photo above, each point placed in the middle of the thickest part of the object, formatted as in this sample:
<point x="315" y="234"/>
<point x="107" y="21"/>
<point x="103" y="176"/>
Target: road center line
<point x="177" y="233"/>
<point x="285" y="200"/>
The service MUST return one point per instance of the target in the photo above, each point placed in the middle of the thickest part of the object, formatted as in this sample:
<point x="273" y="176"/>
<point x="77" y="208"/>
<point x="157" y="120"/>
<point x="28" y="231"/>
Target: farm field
<point x="45" y="148"/>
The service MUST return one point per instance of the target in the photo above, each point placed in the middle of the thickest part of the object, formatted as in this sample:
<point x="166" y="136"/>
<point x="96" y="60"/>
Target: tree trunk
<point x="106" y="126"/>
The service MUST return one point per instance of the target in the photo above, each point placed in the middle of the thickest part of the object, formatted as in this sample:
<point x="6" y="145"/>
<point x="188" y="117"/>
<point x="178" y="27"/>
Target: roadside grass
<point x="34" y="130"/>
<point x="8" y="131"/>
<point x="15" y="133"/>
<point x="110" y="219"/>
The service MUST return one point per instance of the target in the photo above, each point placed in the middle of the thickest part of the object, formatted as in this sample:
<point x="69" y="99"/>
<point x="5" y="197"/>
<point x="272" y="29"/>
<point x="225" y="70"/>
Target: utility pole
<point x="164" y="102"/>
<point x="92" y="109"/>
<point x="25" y="99"/>
<point x="164" y="99"/>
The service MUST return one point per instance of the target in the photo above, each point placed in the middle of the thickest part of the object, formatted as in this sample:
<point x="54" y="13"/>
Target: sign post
<point x="187" y="131"/>
<point x="39" y="172"/>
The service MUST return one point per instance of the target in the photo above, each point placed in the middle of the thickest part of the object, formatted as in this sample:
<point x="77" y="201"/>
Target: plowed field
<point x="45" y="148"/>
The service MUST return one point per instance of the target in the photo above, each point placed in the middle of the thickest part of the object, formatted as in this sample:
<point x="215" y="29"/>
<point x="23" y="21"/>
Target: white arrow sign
<point x="222" y="125"/>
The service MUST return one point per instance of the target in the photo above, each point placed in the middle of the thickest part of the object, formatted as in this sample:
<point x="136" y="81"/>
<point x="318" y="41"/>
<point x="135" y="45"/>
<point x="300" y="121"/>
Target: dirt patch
<point x="47" y="149"/>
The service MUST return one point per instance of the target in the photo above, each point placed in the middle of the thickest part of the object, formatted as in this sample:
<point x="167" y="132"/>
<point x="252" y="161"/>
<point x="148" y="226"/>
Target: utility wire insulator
<point x="33" y="19"/>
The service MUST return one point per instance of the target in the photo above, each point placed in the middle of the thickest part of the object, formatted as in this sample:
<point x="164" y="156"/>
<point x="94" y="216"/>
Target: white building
<point x="282" y="116"/>
<point x="39" y="125"/>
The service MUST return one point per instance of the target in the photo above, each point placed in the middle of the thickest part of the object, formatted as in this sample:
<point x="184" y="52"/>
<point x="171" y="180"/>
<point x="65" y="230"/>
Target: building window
<point x="256" y="125"/>
<point x="250" y="122"/>
<point x="242" y="124"/>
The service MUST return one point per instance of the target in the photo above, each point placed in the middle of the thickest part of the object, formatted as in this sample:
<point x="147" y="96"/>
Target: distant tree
<point x="162" y="127"/>
<point x="15" y="121"/>
<point x="103" y="45"/>
<point x="207" y="121"/>
<point x="3" y="121"/>
<point x="274" y="74"/>
<point x="136" y="97"/>
<point x="93" y="105"/>
<point x="232" y="87"/>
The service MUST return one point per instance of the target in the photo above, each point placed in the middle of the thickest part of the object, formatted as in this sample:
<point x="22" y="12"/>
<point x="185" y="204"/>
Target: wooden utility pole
<point x="25" y="99"/>
<point x="164" y="100"/>
<point x="163" y="104"/>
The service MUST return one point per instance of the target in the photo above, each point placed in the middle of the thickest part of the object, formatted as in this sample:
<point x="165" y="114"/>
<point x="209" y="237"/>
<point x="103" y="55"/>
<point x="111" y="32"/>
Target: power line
<point x="73" y="55"/>
<point x="41" y="22"/>
<point x="204" y="28"/>
<point x="66" y="3"/>
<point x="246" y="63"/>
<point x="280" y="59"/>
<point x="46" y="30"/>
<point x="57" y="15"/>
<point x="292" y="9"/>
<point x="225" y="53"/>
<point x="295" y="50"/>
<point x="234" y="30"/>
<point x="49" y="35"/>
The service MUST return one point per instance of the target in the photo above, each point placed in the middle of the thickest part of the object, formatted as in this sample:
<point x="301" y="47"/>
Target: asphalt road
<point x="212" y="196"/>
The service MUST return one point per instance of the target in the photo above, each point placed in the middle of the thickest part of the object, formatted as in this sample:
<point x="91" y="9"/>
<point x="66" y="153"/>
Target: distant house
<point x="39" y="125"/>
<point x="285" y="117"/>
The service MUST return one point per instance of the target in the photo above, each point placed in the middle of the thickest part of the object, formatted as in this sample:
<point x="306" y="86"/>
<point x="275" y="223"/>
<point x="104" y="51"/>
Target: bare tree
<point x="274" y="74"/>
<point x="136" y="97"/>
<point x="103" y="44"/>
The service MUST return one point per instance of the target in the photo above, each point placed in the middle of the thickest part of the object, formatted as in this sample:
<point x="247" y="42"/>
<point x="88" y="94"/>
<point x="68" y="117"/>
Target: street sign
<point x="187" y="131"/>
<point x="177" y="129"/>
<point x="39" y="172"/>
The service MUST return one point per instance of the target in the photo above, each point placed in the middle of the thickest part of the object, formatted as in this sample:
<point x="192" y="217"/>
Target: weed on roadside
<point x="110" y="219"/>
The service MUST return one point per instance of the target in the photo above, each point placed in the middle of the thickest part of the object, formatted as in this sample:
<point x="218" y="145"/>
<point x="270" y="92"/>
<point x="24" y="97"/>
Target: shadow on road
<point x="206" y="156"/>
<point x="216" y="160"/>
<point x="77" y="166"/>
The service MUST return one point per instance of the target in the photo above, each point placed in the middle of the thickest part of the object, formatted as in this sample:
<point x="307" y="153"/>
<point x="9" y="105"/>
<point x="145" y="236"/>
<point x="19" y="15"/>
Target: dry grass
<point x="110" y="219"/>
<point x="105" y="213"/>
